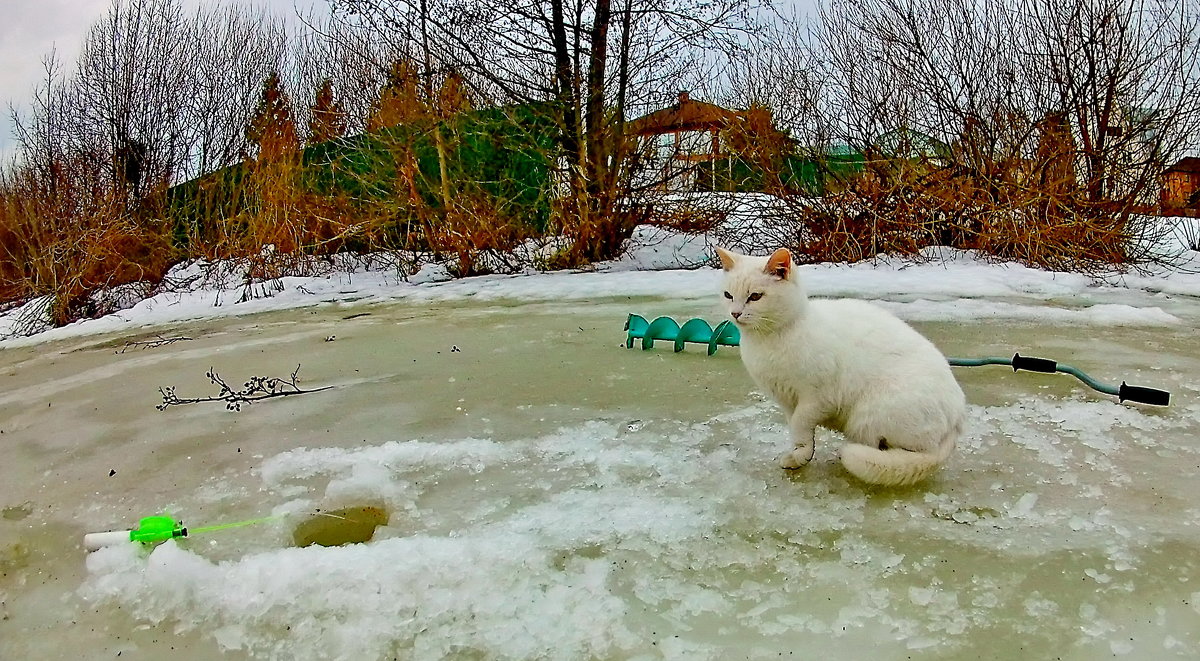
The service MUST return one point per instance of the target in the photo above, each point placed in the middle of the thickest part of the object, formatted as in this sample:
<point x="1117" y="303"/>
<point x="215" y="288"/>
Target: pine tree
<point x="272" y="130"/>
<point x="452" y="98"/>
<point x="399" y="100"/>
<point x="328" y="120"/>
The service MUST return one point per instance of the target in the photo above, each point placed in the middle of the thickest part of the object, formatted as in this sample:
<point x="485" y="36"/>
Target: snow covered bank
<point x="663" y="264"/>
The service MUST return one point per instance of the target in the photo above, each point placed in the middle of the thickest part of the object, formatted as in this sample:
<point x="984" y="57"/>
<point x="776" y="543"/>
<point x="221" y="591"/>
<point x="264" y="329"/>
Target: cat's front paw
<point x="795" y="458"/>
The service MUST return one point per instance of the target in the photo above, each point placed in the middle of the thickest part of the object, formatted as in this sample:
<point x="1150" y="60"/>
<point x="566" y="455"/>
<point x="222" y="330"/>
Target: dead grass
<point x="471" y="228"/>
<point x="903" y="210"/>
<point x="65" y="237"/>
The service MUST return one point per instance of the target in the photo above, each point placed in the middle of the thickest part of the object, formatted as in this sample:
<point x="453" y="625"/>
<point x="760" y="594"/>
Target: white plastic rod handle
<point x="98" y="540"/>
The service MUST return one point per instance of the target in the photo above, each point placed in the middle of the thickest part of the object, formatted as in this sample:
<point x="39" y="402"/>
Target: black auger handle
<point x="1046" y="365"/>
<point x="1143" y="395"/>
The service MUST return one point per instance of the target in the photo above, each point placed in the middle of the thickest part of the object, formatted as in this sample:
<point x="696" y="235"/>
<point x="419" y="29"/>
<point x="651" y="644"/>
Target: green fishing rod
<point x="153" y="530"/>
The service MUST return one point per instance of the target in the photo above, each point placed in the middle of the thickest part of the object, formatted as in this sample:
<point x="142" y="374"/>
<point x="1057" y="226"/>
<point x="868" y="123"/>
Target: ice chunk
<point x="920" y="596"/>
<point x="1120" y="647"/>
<point x="1097" y="576"/>
<point x="965" y="516"/>
<point x="1024" y="505"/>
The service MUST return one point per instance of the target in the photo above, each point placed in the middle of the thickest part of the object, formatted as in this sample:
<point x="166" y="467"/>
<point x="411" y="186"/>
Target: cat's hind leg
<point x="803" y="425"/>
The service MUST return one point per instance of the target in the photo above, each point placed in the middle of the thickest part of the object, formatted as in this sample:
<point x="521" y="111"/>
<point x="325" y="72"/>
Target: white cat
<point x="846" y="365"/>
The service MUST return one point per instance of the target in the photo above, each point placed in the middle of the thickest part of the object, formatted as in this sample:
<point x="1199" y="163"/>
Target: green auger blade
<point x="696" y="331"/>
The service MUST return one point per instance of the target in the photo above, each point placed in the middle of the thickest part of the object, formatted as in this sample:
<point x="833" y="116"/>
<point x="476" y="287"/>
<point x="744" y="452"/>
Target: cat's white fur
<point x="846" y="365"/>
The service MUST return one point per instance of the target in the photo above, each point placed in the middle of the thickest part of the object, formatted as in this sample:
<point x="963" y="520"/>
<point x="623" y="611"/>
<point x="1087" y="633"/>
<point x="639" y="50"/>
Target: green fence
<point x="808" y="175"/>
<point x="502" y="154"/>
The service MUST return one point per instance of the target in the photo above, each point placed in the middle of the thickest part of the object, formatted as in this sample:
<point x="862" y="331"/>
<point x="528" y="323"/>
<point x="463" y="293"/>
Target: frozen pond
<point x="554" y="495"/>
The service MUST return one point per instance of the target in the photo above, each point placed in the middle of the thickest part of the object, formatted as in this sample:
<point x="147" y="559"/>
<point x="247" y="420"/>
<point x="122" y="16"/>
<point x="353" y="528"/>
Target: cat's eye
<point x="729" y="296"/>
<point x="754" y="297"/>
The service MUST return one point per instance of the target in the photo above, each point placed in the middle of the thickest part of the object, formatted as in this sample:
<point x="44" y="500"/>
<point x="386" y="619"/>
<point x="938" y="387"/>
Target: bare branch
<point x="257" y="388"/>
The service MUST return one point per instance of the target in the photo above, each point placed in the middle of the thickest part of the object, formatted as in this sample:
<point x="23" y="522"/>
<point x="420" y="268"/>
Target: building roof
<point x="907" y="143"/>
<point x="1186" y="164"/>
<point x="686" y="115"/>
<point x="842" y="149"/>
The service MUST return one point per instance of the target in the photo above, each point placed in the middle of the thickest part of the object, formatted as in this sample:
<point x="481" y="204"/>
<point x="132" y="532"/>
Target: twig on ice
<point x="255" y="389"/>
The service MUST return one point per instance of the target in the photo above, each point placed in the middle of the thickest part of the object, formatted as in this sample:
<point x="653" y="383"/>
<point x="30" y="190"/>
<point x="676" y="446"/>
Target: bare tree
<point x="130" y="80"/>
<point x="356" y="58"/>
<point x="780" y="75"/>
<point x="156" y="97"/>
<point x="233" y="50"/>
<point x="42" y="135"/>
<point x="594" y="61"/>
<point x="161" y="96"/>
<point x="1030" y="128"/>
<point x="1127" y="75"/>
<point x="65" y="232"/>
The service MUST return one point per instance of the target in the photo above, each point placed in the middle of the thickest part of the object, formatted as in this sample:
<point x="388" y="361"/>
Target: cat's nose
<point x="736" y="315"/>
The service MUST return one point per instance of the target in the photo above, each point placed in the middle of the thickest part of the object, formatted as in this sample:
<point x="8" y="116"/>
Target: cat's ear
<point x="726" y="259"/>
<point x="779" y="264"/>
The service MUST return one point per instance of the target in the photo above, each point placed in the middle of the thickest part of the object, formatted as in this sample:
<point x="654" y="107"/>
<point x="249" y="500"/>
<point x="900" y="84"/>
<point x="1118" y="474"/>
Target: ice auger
<point x="693" y="330"/>
<point x="700" y="332"/>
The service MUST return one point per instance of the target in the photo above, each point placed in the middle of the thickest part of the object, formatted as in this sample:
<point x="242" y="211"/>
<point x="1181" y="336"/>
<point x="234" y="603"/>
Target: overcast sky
<point x="31" y="29"/>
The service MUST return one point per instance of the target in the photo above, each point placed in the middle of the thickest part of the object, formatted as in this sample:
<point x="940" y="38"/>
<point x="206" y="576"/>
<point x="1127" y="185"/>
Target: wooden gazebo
<point x="674" y="140"/>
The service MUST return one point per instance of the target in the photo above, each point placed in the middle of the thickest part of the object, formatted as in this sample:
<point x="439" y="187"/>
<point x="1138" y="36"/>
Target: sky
<point x="31" y="29"/>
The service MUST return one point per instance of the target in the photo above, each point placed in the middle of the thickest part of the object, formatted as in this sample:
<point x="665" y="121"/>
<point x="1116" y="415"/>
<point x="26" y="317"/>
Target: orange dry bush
<point x="458" y="231"/>
<point x="596" y="225"/>
<point x="472" y="226"/>
<point x="66" y="236"/>
<point x="1058" y="237"/>
<point x="886" y="209"/>
<point x="274" y="217"/>
<point x="1029" y="211"/>
<point x="680" y="217"/>
<point x="281" y="224"/>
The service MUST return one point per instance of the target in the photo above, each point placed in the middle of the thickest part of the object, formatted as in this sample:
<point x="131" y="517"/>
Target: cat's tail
<point x="895" y="466"/>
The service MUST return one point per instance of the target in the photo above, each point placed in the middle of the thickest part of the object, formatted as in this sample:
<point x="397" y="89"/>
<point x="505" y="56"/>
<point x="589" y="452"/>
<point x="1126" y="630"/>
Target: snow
<point x="598" y="538"/>
<point x="941" y="285"/>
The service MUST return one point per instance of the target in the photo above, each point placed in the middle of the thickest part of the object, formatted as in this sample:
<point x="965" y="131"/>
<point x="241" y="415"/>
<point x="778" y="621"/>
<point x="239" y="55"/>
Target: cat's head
<point x="761" y="293"/>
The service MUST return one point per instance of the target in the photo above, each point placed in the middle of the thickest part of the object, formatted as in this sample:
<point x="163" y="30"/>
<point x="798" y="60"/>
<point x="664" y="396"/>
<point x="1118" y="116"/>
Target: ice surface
<point x="553" y="495"/>
<point x="968" y="310"/>
<point x="602" y="540"/>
